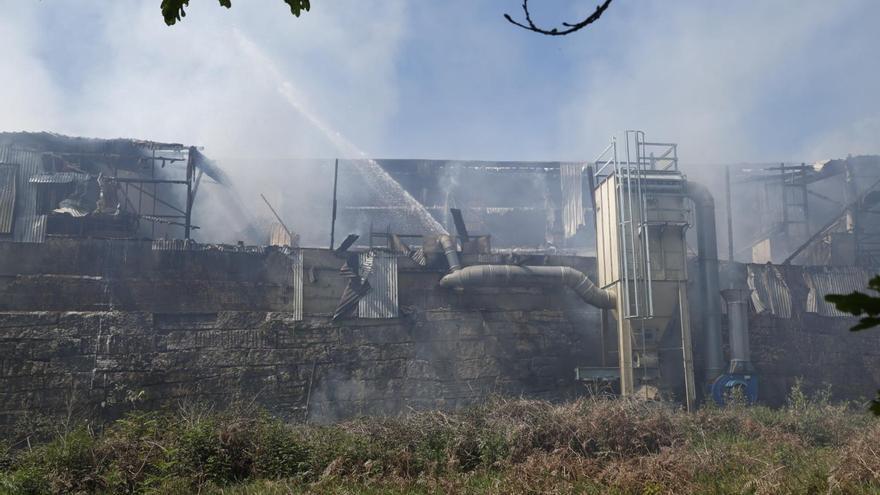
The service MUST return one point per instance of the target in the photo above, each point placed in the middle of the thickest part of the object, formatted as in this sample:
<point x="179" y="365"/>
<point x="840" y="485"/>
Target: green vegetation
<point x="173" y="10"/>
<point x="505" y="446"/>
<point x="868" y="308"/>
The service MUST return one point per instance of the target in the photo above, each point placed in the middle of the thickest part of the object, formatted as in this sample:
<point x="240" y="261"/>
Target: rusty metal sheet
<point x="824" y="280"/>
<point x="571" y="178"/>
<point x="381" y="274"/>
<point x="770" y="292"/>
<point x="28" y="225"/>
<point x="7" y="196"/>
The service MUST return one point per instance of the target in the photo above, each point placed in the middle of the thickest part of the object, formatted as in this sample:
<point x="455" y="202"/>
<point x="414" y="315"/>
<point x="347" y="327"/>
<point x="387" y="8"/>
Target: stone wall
<point x="427" y="359"/>
<point x="817" y="350"/>
<point x="97" y="323"/>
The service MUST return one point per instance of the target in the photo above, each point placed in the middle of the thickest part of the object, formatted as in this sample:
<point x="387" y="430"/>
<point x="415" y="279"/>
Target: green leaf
<point x="297" y="6"/>
<point x="173" y="10"/>
<point x="858" y="304"/>
<point x="875" y="405"/>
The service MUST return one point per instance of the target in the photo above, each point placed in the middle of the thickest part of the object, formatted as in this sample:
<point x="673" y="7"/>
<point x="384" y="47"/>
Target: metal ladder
<point x="633" y="228"/>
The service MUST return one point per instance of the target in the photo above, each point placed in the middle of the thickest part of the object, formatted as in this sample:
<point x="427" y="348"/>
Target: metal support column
<point x="687" y="354"/>
<point x="189" y="193"/>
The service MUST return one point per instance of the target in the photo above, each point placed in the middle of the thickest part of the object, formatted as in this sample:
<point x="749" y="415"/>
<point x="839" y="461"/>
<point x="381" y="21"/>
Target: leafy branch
<point x="567" y="27"/>
<point x="173" y="10"/>
<point x="859" y="304"/>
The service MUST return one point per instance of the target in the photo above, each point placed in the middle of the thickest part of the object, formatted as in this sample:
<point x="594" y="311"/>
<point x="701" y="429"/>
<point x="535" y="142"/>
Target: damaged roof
<point x="118" y="151"/>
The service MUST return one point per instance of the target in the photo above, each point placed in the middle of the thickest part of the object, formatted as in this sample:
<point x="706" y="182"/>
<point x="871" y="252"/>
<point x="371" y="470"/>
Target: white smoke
<point x="729" y="81"/>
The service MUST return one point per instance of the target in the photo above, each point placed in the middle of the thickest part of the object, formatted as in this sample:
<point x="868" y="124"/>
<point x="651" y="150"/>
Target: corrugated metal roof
<point x="571" y="177"/>
<point x="190" y="245"/>
<point x="7" y="196"/>
<point x="770" y="292"/>
<point x="824" y="280"/>
<point x="29" y="227"/>
<point x="296" y="258"/>
<point x="381" y="301"/>
<point x="58" y="178"/>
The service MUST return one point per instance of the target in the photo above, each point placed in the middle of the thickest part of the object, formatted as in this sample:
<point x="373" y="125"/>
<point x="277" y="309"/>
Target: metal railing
<point x="634" y="259"/>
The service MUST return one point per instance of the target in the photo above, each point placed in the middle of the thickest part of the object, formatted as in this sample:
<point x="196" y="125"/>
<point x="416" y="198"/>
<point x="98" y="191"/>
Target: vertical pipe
<point x="737" y="320"/>
<point x="730" y="269"/>
<point x="707" y="254"/>
<point x="333" y="214"/>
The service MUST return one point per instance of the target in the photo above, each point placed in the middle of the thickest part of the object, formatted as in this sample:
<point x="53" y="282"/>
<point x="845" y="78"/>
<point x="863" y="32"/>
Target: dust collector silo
<point x="641" y="220"/>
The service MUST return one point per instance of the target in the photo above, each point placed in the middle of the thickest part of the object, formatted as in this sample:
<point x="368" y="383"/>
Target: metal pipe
<point x="730" y="269"/>
<point x="709" y="288"/>
<point x="738" y="330"/>
<point x="737" y="302"/>
<point x="333" y="212"/>
<point x="450" y="249"/>
<point x="530" y="276"/>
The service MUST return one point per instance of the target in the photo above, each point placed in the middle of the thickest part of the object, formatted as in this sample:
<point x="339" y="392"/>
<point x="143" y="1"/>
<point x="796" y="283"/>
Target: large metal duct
<point x="709" y="287"/>
<point x="530" y="276"/>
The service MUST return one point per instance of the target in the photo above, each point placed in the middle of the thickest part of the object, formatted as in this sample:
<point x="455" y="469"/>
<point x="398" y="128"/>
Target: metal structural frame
<point x="180" y="216"/>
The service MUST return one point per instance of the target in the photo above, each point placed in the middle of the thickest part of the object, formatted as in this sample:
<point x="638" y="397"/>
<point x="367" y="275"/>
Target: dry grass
<point x="505" y="446"/>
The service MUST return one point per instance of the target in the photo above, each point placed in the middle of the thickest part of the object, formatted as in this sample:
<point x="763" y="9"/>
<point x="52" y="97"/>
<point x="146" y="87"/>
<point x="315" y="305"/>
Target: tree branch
<point x="569" y="28"/>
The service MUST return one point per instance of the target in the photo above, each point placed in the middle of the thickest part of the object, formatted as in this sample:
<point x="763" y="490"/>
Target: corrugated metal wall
<point x="571" y="177"/>
<point x="381" y="301"/>
<point x="29" y="226"/>
<point x="825" y="280"/>
<point x="7" y="196"/>
<point x="782" y="291"/>
<point x="769" y="291"/>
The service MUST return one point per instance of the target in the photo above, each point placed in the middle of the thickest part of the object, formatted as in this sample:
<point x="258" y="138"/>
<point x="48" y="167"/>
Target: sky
<point x="751" y="80"/>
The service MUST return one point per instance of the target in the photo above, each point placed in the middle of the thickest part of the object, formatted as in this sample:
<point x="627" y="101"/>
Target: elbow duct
<point x="450" y="249"/>
<point x="531" y="276"/>
<point x="709" y="287"/>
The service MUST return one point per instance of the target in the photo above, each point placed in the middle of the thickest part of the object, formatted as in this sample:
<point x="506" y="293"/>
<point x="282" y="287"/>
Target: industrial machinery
<point x="643" y="210"/>
<point x="641" y="220"/>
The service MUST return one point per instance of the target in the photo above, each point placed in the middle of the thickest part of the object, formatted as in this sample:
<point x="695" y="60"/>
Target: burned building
<point x="454" y="281"/>
<point x="118" y="188"/>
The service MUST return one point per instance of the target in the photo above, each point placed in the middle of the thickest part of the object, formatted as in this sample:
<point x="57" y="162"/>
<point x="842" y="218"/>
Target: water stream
<point x="388" y="189"/>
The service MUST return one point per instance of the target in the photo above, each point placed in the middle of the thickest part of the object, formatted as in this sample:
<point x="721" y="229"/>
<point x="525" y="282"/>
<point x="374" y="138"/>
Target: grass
<point x="590" y="445"/>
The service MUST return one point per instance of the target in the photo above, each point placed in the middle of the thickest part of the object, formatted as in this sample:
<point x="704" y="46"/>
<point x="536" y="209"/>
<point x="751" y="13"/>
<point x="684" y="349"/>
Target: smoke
<point x="733" y="81"/>
<point x="222" y="79"/>
<point x="728" y="81"/>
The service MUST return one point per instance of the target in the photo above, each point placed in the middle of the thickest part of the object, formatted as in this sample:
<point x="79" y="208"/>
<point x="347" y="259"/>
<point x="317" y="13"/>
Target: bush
<point x="279" y="452"/>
